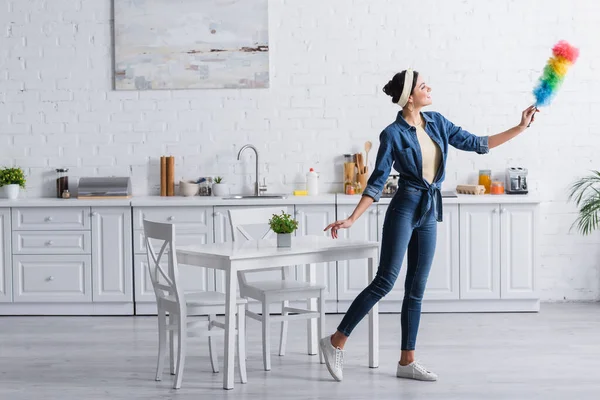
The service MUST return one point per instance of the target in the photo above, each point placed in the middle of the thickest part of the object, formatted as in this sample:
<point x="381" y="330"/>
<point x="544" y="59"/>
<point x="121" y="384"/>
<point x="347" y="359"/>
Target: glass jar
<point x="485" y="179"/>
<point x="497" y="187"/>
<point x="349" y="172"/>
<point x="62" y="181"/>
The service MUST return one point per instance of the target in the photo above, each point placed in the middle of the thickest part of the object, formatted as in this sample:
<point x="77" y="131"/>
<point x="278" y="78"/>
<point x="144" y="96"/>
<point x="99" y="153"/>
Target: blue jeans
<point x="401" y="232"/>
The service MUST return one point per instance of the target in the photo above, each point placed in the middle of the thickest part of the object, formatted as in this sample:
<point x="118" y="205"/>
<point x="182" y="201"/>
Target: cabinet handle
<point x="171" y="218"/>
<point x="299" y="213"/>
<point x="49" y="243"/>
<point x="94" y="214"/>
<point x="217" y="214"/>
<point x="503" y="210"/>
<point x="50" y="278"/>
<point x="48" y="219"/>
<point x="495" y="210"/>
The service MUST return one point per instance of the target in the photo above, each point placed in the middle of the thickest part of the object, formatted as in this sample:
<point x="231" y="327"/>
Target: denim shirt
<point x="399" y="147"/>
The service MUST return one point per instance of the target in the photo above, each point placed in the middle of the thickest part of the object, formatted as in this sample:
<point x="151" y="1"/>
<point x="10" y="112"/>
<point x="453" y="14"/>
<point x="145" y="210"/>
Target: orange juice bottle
<point x="485" y="179"/>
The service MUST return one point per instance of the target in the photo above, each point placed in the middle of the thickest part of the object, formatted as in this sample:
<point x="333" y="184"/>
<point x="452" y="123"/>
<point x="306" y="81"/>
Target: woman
<point x="417" y="146"/>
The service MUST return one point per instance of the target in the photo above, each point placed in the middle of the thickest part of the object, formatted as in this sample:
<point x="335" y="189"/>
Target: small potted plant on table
<point x="11" y="179"/>
<point x="283" y="225"/>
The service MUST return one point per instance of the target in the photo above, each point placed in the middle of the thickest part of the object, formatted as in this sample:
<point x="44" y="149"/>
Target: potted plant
<point x="586" y="194"/>
<point x="219" y="188"/>
<point x="283" y="225"/>
<point x="11" y="179"/>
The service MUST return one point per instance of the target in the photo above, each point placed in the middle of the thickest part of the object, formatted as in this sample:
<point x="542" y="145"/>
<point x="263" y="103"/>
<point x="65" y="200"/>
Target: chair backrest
<point x="241" y="218"/>
<point x="165" y="280"/>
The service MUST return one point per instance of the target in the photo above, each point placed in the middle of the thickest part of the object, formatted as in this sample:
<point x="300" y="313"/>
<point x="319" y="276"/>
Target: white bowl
<point x="188" y="188"/>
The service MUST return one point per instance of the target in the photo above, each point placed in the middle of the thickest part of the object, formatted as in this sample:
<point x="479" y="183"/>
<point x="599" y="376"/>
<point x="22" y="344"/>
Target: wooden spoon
<point x="368" y="146"/>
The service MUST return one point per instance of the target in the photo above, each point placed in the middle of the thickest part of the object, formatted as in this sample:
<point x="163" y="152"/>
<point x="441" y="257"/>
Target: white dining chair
<point x="175" y="308"/>
<point x="284" y="289"/>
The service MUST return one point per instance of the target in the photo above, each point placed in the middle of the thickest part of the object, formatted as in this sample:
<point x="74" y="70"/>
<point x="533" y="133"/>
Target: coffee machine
<point x="516" y="181"/>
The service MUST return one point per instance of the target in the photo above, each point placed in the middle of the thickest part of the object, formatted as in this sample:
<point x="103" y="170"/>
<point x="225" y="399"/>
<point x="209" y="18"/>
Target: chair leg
<point x="245" y="325"/>
<point x="162" y="343"/>
<point x="172" y="342"/>
<point x="181" y="349"/>
<point x="214" y="358"/>
<point x="266" y="336"/>
<point x="241" y="342"/>
<point x="284" y="328"/>
<point x="321" y="322"/>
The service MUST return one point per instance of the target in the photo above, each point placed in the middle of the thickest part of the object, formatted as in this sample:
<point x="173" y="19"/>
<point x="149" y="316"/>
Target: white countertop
<point x="56" y="202"/>
<point x="158" y="201"/>
<point x="209" y="201"/>
<point x="460" y="199"/>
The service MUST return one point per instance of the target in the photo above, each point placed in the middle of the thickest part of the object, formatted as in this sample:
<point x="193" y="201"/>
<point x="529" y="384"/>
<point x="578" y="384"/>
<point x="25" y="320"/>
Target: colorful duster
<point x="563" y="56"/>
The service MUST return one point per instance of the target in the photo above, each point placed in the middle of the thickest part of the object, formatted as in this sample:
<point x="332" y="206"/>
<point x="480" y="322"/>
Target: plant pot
<point x="220" y="189"/>
<point x="284" y="240"/>
<point x="12" y="191"/>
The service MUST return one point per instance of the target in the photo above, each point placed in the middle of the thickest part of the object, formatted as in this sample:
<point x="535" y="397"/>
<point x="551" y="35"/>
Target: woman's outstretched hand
<point x="341" y="224"/>
<point x="528" y="116"/>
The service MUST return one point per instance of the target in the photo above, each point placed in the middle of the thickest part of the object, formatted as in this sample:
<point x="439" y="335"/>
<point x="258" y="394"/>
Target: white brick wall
<point x="329" y="60"/>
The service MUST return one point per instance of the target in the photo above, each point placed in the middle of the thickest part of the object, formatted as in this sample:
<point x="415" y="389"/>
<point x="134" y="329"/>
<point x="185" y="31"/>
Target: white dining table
<point x="232" y="257"/>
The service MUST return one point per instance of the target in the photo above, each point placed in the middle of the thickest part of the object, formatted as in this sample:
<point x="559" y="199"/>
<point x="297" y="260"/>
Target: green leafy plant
<point x="12" y="176"/>
<point x="283" y="223"/>
<point x="218" y="179"/>
<point x="586" y="194"/>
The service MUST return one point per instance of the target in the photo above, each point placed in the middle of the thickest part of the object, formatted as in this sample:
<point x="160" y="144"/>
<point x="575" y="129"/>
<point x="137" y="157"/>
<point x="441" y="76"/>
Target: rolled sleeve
<point x="464" y="140"/>
<point x="383" y="165"/>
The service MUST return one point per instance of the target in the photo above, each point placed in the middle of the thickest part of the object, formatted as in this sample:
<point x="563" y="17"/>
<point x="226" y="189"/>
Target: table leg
<point x="311" y="324"/>
<point x="230" y="310"/>
<point x="373" y="323"/>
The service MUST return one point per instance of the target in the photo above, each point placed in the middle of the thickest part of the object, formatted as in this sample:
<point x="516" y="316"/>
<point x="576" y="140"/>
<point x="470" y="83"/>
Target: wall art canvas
<point x="191" y="44"/>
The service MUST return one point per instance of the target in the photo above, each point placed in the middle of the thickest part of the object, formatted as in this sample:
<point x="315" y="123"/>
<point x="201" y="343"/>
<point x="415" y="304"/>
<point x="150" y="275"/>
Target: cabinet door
<point x="112" y="254"/>
<point x="312" y="219"/>
<point x="443" y="281"/>
<point x="518" y="258"/>
<point x="479" y="251"/>
<point x="352" y="275"/>
<point x="397" y="293"/>
<point x="5" y="257"/>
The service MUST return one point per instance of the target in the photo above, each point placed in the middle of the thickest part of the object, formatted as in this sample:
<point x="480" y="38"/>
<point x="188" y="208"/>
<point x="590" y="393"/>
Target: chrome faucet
<point x="258" y="189"/>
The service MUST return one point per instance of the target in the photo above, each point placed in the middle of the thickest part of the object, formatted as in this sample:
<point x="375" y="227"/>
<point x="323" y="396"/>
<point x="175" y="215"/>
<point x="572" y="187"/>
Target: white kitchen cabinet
<point x="498" y="255"/>
<point x="352" y="275"/>
<point x="312" y="219"/>
<point x="5" y="256"/>
<point x="443" y="282"/>
<point x="479" y="251"/>
<point x="518" y="251"/>
<point x="64" y="279"/>
<point x="112" y="254"/>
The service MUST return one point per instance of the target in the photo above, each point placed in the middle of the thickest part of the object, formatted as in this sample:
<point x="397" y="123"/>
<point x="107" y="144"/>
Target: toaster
<point x="516" y="181"/>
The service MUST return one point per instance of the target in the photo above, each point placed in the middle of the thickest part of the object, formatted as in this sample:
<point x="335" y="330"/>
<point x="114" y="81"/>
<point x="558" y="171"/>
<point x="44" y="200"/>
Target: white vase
<point x="220" y="189"/>
<point x="284" y="240"/>
<point x="12" y="191"/>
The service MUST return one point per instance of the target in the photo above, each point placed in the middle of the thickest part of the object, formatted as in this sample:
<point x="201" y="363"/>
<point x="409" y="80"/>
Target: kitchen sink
<point x="251" y="196"/>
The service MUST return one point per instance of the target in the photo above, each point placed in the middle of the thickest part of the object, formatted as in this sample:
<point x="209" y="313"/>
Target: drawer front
<point x="182" y="239"/>
<point x="45" y="242"/>
<point x="51" y="218"/>
<point x="52" y="278"/>
<point x="182" y="217"/>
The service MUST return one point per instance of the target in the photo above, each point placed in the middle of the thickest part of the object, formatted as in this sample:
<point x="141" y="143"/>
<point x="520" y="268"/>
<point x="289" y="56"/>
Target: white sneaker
<point x="334" y="358"/>
<point x="414" y="370"/>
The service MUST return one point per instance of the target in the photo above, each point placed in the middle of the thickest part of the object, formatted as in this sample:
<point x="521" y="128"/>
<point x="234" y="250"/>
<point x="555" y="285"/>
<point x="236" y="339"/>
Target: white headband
<point x="407" y="89"/>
